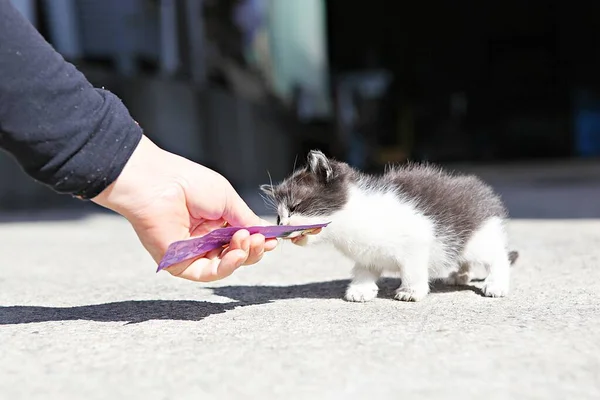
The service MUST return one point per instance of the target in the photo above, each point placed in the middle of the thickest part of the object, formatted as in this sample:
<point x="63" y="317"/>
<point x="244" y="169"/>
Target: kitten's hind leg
<point x="461" y="277"/>
<point x="498" y="281"/>
<point x="364" y="284"/>
<point x="488" y="247"/>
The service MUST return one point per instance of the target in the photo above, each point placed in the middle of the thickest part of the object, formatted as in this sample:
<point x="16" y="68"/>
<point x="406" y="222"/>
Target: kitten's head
<point x="313" y="193"/>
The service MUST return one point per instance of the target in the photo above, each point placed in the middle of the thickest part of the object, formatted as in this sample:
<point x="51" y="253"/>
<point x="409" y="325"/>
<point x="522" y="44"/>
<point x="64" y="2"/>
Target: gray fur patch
<point x="458" y="204"/>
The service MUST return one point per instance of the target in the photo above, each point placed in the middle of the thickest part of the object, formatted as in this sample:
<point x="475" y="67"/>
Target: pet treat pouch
<point x="190" y="248"/>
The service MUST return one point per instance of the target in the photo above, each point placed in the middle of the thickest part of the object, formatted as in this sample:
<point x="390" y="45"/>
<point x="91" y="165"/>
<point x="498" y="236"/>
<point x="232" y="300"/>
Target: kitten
<point x="417" y="220"/>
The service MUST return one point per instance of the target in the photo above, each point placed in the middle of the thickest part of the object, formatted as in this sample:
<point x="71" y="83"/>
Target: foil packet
<point x="191" y="248"/>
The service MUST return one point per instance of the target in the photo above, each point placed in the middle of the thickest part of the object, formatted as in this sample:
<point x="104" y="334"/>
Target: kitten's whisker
<point x="270" y="179"/>
<point x="269" y="203"/>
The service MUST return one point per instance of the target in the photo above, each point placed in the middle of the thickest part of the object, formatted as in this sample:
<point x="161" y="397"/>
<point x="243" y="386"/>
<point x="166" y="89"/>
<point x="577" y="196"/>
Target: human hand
<point x="167" y="198"/>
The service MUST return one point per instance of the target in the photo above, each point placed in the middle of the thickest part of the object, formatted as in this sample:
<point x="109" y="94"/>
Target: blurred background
<point x="509" y="90"/>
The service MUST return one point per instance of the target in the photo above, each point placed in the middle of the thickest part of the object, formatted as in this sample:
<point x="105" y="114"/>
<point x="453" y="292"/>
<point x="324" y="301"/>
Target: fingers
<point x="257" y="249"/>
<point x="232" y="257"/>
<point x="244" y="249"/>
<point x="271" y="244"/>
<point x="209" y="269"/>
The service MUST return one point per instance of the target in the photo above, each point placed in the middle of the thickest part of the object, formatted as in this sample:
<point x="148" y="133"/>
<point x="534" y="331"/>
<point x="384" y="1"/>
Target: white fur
<point x="382" y="233"/>
<point x="487" y="247"/>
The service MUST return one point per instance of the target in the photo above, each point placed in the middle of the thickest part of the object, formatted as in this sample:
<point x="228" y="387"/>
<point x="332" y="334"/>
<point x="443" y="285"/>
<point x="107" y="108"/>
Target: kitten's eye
<point x="293" y="208"/>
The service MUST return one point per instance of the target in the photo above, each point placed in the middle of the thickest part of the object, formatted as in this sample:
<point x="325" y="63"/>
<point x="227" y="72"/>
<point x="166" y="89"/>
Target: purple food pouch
<point x="190" y="248"/>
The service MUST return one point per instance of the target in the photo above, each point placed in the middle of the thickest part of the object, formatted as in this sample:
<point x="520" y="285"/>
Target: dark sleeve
<point x="62" y="131"/>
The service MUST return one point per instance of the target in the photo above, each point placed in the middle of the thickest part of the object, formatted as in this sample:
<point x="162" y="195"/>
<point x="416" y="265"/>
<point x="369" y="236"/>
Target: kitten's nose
<point x="278" y="220"/>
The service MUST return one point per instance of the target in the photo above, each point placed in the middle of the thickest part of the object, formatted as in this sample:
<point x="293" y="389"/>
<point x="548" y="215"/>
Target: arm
<point x="82" y="141"/>
<point x="64" y="132"/>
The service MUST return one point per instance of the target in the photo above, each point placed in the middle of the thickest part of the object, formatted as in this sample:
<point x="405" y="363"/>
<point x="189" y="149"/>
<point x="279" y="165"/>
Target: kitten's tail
<point x="512" y="256"/>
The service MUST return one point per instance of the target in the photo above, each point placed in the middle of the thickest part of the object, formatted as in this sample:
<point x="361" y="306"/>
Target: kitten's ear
<point x="267" y="189"/>
<point x="319" y="164"/>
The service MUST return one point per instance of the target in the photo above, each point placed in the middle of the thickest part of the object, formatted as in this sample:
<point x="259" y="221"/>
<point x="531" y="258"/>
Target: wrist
<point x="134" y="176"/>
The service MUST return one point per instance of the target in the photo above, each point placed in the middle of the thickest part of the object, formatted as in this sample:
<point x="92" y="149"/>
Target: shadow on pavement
<point x="131" y="312"/>
<point x="319" y="290"/>
<point x="136" y="311"/>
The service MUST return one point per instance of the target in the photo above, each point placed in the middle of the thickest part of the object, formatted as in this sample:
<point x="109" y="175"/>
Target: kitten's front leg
<point x="415" y="276"/>
<point x="364" y="284"/>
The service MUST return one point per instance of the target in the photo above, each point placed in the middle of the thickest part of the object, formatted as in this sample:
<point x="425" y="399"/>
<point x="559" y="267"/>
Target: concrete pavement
<point x="83" y="315"/>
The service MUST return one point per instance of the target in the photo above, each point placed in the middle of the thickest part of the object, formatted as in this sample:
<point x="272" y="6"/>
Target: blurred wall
<point x="244" y="141"/>
<point x="298" y="39"/>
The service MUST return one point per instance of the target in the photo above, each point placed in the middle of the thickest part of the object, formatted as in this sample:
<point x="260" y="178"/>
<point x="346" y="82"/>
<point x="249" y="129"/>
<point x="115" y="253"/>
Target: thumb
<point x="238" y="213"/>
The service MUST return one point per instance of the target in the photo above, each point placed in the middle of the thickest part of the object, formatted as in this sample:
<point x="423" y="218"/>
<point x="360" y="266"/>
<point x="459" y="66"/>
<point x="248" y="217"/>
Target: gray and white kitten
<point x="417" y="220"/>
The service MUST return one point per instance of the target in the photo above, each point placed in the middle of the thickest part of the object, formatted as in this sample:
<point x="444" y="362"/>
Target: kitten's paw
<point x="361" y="293"/>
<point x="495" y="288"/>
<point x="457" y="279"/>
<point x="416" y="293"/>
<point x="300" y="240"/>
